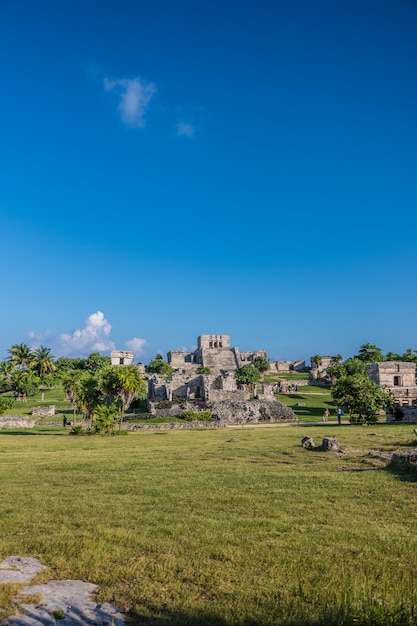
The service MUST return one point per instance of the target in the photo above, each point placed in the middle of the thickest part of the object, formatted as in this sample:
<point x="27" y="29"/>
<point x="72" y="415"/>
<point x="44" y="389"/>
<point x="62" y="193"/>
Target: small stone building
<point x="121" y="357"/>
<point x="397" y="377"/>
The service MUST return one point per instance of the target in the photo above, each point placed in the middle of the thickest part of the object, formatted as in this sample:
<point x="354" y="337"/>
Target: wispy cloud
<point x="94" y="337"/>
<point x="135" y="95"/>
<point x="136" y="345"/>
<point x="185" y="130"/>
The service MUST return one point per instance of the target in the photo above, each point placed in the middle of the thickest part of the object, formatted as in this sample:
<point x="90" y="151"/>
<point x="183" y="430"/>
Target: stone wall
<point x="43" y="411"/>
<point x="9" y="421"/>
<point x="252" y="411"/>
<point x="288" y="366"/>
<point x="220" y="395"/>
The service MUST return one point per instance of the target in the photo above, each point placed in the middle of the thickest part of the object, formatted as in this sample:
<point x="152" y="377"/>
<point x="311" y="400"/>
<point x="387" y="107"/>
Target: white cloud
<point x="135" y="95"/>
<point x="35" y="340"/>
<point x="94" y="337"/>
<point x="185" y="130"/>
<point x="136" y="345"/>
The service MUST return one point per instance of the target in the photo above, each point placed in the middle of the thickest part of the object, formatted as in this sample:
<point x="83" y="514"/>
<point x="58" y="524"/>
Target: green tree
<point x="5" y="404"/>
<point x="368" y="353"/>
<point x="42" y="361"/>
<point x="7" y="370"/>
<point x="123" y="383"/>
<point x="409" y="356"/>
<point x="20" y="355"/>
<point x="262" y="365"/>
<point x="317" y="360"/>
<point x="82" y="389"/>
<point x="25" y="381"/>
<point x="64" y="364"/>
<point x="247" y="375"/>
<point x="361" y="397"/>
<point x="105" y="419"/>
<point x="205" y="371"/>
<point x="97" y="361"/>
<point x="159" y="366"/>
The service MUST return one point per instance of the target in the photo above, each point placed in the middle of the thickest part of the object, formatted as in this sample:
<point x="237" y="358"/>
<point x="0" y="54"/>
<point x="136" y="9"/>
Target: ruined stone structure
<point x="288" y="366"/>
<point x="397" y="377"/>
<point x="11" y="421"/>
<point x="218" y="387"/>
<point x="43" y="411"/>
<point x="213" y="351"/>
<point x="121" y="357"/>
<point x="319" y="373"/>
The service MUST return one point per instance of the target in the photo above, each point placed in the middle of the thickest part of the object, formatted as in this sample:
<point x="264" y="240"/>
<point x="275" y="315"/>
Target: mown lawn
<point x="236" y="526"/>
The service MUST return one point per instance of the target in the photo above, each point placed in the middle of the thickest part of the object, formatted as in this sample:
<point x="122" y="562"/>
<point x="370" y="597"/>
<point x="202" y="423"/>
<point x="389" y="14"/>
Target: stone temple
<point x="208" y="374"/>
<point x="213" y="352"/>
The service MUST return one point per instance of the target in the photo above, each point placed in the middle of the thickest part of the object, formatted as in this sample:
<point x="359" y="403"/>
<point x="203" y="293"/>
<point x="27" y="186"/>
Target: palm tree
<point x="131" y="386"/>
<point x="20" y="355"/>
<point x="7" y="370"/>
<point x="25" y="381"/>
<point x="42" y="361"/>
<point x="124" y="383"/>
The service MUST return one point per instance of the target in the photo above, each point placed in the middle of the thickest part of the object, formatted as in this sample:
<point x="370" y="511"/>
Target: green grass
<point x="286" y="376"/>
<point x="55" y="396"/>
<point x="315" y="401"/>
<point x="191" y="527"/>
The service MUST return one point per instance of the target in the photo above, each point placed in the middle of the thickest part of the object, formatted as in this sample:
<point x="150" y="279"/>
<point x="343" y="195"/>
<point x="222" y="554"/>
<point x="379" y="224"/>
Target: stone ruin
<point x="121" y="357"/>
<point x="43" y="411"/>
<point x="399" y="379"/>
<point x="218" y="389"/>
<point x="12" y="421"/>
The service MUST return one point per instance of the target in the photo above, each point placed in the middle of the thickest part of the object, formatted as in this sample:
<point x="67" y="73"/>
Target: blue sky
<point x="170" y="169"/>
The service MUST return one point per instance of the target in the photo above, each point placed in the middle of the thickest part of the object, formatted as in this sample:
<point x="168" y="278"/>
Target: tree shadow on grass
<point x="370" y="615"/>
<point x="45" y="433"/>
<point x="404" y="471"/>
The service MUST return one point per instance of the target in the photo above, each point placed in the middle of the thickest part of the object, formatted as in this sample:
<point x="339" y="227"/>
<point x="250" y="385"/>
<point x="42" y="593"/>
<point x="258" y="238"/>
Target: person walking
<point x="339" y="415"/>
<point x="326" y="415"/>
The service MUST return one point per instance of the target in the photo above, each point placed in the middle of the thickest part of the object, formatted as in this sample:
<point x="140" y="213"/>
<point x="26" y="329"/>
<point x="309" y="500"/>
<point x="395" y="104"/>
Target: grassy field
<point x="230" y="527"/>
<point x="309" y="403"/>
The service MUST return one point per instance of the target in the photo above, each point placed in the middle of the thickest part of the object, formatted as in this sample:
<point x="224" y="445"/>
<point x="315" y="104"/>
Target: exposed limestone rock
<point x="404" y="456"/>
<point x="43" y="411"/>
<point x="251" y="411"/>
<point x="330" y="443"/>
<point x="307" y="442"/>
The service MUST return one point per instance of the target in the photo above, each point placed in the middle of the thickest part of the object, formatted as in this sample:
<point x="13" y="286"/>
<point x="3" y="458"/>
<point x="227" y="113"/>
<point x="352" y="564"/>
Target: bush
<point x="5" y="403"/>
<point x="193" y="416"/>
<point x="76" y="430"/>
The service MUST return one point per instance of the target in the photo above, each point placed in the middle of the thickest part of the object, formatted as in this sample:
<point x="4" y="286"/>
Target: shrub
<point x="76" y="430"/>
<point x="192" y="416"/>
<point x="5" y="403"/>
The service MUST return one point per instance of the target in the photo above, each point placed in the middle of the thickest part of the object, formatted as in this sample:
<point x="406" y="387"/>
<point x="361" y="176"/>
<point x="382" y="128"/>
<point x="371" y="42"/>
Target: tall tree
<point x="247" y="375"/>
<point x="361" y="397"/>
<point x="25" y="382"/>
<point x="262" y="365"/>
<point x="42" y="361"/>
<point x="20" y="355"/>
<point x="159" y="366"/>
<point x="124" y="383"/>
<point x="7" y="370"/>
<point x="368" y="353"/>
